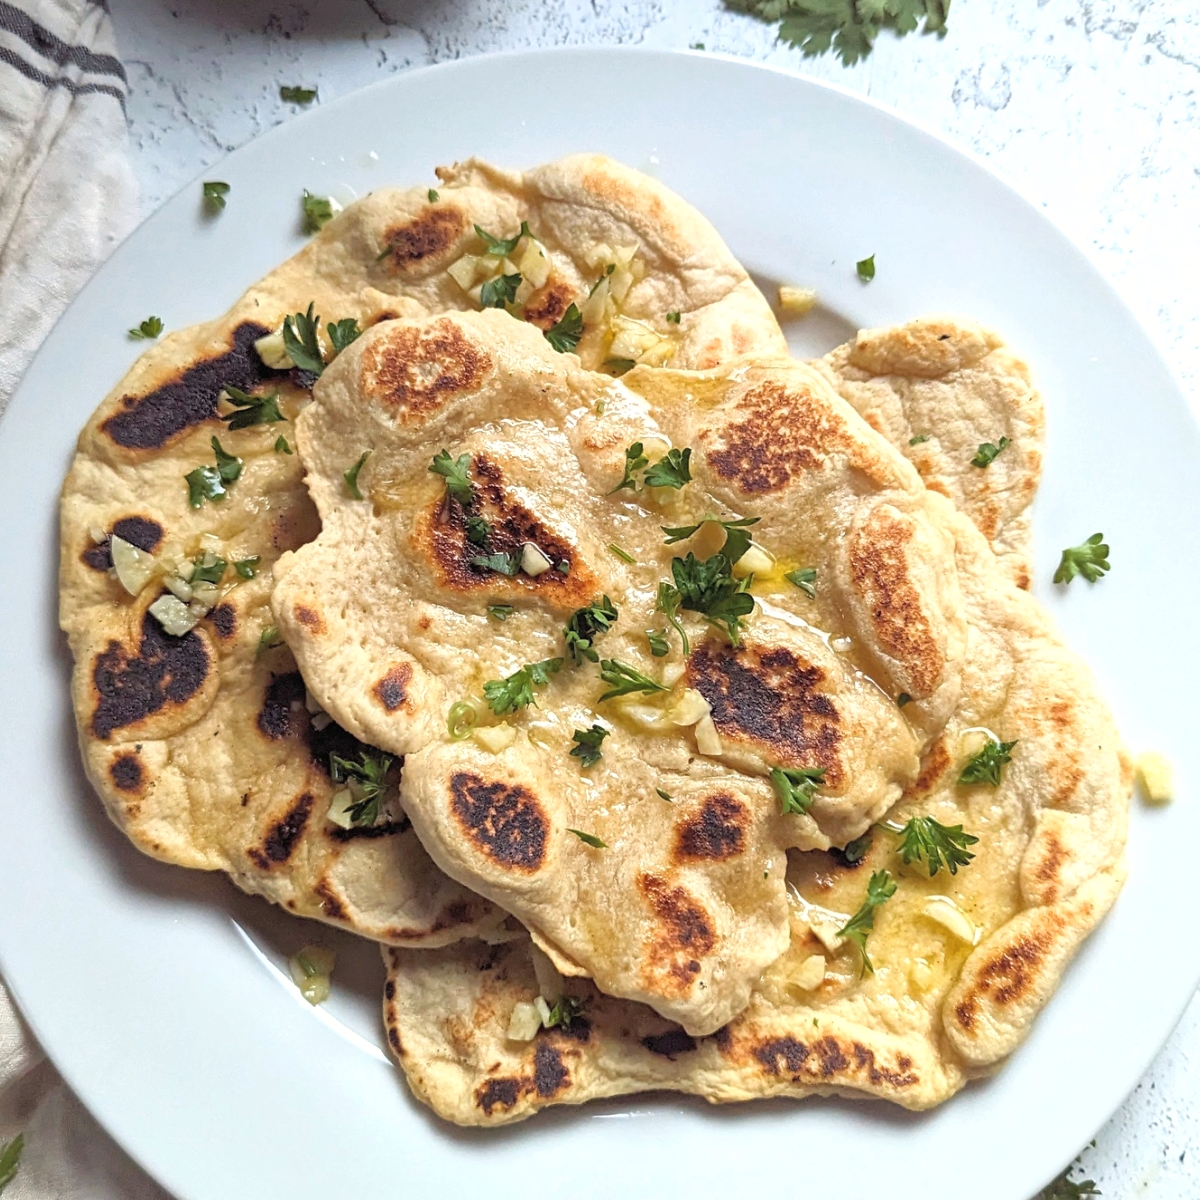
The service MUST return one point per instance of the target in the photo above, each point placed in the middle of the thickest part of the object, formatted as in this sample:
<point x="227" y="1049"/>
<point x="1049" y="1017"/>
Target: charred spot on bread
<point x="503" y="821"/>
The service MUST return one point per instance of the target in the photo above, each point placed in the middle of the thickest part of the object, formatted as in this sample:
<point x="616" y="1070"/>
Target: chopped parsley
<point x="918" y="439"/>
<point x="318" y="211"/>
<point x="498" y="292"/>
<point x="478" y="530"/>
<point x="565" y="1009"/>
<point x="247" y="568"/>
<point x="589" y="839"/>
<point x="1063" y="1187"/>
<point x="796" y="787"/>
<point x="366" y="778"/>
<point x="342" y="333"/>
<point x="251" y="410"/>
<point x="1089" y="560"/>
<point x="269" y="639"/>
<point x="281" y="445"/>
<point x="297" y="95"/>
<point x="937" y="845"/>
<point x="208" y="568"/>
<point x="669" y="599"/>
<point x="619" y="366"/>
<point x="854" y="852"/>
<point x="432" y="196"/>
<point x="456" y="473"/>
<point x="620" y="552"/>
<point x="673" y="318"/>
<point x="880" y="889"/>
<point x="626" y="680"/>
<point x="149" y="329"/>
<point x="10" y="1160"/>
<point x="659" y="646"/>
<point x="351" y="475"/>
<point x="737" y="540"/>
<point x="503" y="247"/>
<point x="587" y="744"/>
<point x="585" y="625"/>
<point x="503" y="564"/>
<point x="709" y="588"/>
<point x="866" y="268"/>
<point x="300" y="341"/>
<point x="214" y="195"/>
<point x="501" y="612"/>
<point x="635" y="461"/>
<point x="211" y="483"/>
<point x="673" y="470"/>
<point x="986" y="454"/>
<point x="565" y="333"/>
<point x="805" y="578"/>
<point x="516" y="690"/>
<point x="987" y="765"/>
<point x="662" y="795"/>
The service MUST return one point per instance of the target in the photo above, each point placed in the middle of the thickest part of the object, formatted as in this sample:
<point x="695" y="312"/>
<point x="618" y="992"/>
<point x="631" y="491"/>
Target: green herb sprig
<point x="1090" y="559"/>
<point x="987" y="766"/>
<point x="211" y="483"/>
<point x="368" y="774"/>
<point x="880" y="888"/>
<point x="516" y="690"/>
<point x="926" y="840"/>
<point x="585" y="625"/>
<point x="626" y="680"/>
<point x="796" y="787"/>
<point x="148" y="330"/>
<point x="251" y="410"/>
<point x="587" y="748"/>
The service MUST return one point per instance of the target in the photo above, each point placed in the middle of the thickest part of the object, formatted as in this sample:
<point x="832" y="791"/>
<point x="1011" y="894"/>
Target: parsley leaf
<point x="938" y="845"/>
<point x="796" y="787"/>
<point x="342" y="333"/>
<point x="503" y="247"/>
<point x="432" y="196"/>
<point x="626" y="679"/>
<point x="269" y="639"/>
<point x="498" y="292"/>
<point x="281" y="445"/>
<point x="659" y="646"/>
<point x="300" y="341"/>
<point x="620" y="552"/>
<point x="351" y="476"/>
<point x="987" y="765"/>
<point x="673" y="470"/>
<point x="866" y="268"/>
<point x="10" y="1160"/>
<point x="737" y="540"/>
<point x="297" y="95"/>
<point x="880" y="888"/>
<point x="669" y="599"/>
<point x="587" y="748"/>
<point x="590" y="839"/>
<point x="565" y="1010"/>
<point x="665" y="795"/>
<point x="709" y="588"/>
<point x="986" y="454"/>
<point x="478" y="531"/>
<point x="1089" y="560"/>
<point x="208" y="569"/>
<point x="247" y="568"/>
<point x="366" y="778"/>
<point x="673" y="318"/>
<point x="565" y="333"/>
<point x="502" y="564"/>
<point x="214" y="196"/>
<point x="585" y="625"/>
<point x="918" y="439"/>
<point x="1066" y="1188"/>
<point x="805" y="578"/>
<point x="516" y="690"/>
<point x="210" y="483"/>
<point x="635" y="461"/>
<point x="854" y="852"/>
<point x="149" y="329"/>
<point x="848" y="27"/>
<point x="501" y="611"/>
<point x="318" y="211"/>
<point x="251" y="410"/>
<point x="455" y="471"/>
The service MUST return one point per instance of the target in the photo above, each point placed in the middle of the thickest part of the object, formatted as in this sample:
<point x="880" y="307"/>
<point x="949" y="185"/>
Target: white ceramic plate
<point x="160" y="994"/>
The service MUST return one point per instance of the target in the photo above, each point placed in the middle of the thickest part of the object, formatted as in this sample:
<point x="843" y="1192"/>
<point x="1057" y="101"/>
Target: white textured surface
<point x="1089" y="106"/>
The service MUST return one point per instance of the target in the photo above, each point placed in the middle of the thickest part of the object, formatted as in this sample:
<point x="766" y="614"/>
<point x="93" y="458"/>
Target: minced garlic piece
<point x="946" y="913"/>
<point x="1154" y="775"/>
<point x="810" y="973"/>
<point x="524" y="1023"/>
<point x="134" y="567"/>
<point x="690" y="708"/>
<point x="310" y="969"/>
<point x="533" y="561"/>
<point x="708" y="741"/>
<point x="756" y="561"/>
<point x="494" y="737"/>
<point x="273" y="352"/>
<point x="796" y="301"/>
<point x="173" y="615"/>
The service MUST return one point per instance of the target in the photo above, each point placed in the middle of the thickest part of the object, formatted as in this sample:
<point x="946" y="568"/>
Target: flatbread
<point x="935" y="1013"/>
<point x="686" y="905"/>
<point x="201" y="747"/>
<point x="938" y="389"/>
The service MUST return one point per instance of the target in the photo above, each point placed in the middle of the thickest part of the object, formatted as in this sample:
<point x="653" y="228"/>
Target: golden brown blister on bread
<point x="938" y="388"/>
<point x="936" y="1012"/>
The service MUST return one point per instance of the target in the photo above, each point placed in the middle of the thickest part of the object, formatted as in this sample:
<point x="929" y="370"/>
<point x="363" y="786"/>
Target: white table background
<point x="1088" y="106"/>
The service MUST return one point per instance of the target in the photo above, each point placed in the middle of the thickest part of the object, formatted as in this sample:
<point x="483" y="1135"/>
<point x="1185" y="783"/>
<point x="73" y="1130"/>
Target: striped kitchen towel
<point x="67" y="194"/>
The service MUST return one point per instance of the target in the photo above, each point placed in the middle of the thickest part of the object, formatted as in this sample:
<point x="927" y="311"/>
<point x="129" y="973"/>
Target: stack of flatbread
<point x="490" y="582"/>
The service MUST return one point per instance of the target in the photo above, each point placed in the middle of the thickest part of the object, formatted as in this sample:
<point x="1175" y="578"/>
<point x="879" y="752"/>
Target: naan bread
<point x="686" y="905"/>
<point x="201" y="746"/>
<point x="935" y="1013"/>
<point x="939" y="388"/>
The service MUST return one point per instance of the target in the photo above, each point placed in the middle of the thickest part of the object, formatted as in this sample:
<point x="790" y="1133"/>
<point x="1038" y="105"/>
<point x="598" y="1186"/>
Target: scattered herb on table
<point x="318" y="211"/>
<point x="1089" y="560"/>
<point x="866" y="268"/>
<point x="214" y="196"/>
<point x="297" y="95"/>
<point x="149" y="329"/>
